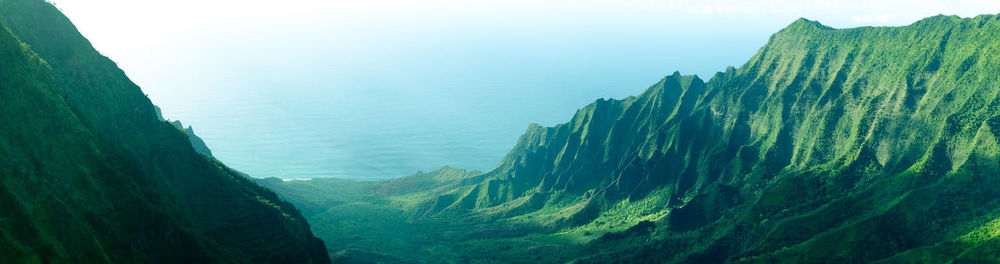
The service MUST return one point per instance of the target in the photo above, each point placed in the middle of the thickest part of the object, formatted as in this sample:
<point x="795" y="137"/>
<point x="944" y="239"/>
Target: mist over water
<point x="423" y="104"/>
<point x="375" y="124"/>
<point x="377" y="130"/>
<point x="383" y="89"/>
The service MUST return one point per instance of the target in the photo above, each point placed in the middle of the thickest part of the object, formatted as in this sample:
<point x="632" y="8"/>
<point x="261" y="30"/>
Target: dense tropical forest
<point x="872" y="144"/>
<point x="857" y="145"/>
<point x="91" y="174"/>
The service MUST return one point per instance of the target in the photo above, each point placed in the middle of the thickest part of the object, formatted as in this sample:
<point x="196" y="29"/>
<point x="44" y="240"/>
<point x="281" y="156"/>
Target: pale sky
<point x="267" y="83"/>
<point x="155" y="41"/>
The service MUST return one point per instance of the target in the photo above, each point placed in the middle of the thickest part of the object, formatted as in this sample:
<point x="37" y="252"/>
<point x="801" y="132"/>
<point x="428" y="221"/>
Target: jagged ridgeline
<point x="829" y="145"/>
<point x="88" y="174"/>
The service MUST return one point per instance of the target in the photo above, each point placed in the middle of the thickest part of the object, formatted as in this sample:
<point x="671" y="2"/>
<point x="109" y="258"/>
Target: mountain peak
<point x="829" y="145"/>
<point x="803" y="24"/>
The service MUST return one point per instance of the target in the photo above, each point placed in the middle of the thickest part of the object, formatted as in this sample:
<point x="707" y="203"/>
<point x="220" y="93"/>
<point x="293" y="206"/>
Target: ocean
<point x="313" y="112"/>
<point x="377" y="132"/>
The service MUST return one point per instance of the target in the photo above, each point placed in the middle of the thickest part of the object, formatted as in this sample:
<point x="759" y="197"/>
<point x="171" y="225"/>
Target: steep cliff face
<point x="613" y="144"/>
<point x="829" y="145"/>
<point x="90" y="175"/>
<point x="846" y="145"/>
<point x="196" y="142"/>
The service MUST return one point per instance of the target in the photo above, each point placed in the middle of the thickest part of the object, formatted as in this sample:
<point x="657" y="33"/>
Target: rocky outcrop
<point x="196" y="142"/>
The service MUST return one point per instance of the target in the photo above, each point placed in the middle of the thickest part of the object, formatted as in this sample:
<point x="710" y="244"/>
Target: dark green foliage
<point x="829" y="146"/>
<point x="196" y="142"/>
<point x="90" y="175"/>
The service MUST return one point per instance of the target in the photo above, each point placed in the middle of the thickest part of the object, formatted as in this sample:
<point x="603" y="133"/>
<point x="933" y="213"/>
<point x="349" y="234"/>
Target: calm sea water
<point x="464" y="105"/>
<point x="376" y="90"/>
<point x="379" y="132"/>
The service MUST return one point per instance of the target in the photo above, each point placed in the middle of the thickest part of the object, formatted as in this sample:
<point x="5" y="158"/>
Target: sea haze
<point x="459" y="98"/>
<point x="384" y="88"/>
<point x="392" y="125"/>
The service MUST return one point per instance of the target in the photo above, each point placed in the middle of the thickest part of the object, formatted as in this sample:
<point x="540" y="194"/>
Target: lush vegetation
<point x="89" y="174"/>
<point x="873" y="144"/>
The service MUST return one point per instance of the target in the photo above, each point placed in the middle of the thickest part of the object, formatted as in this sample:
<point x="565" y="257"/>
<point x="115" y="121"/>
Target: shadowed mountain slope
<point x="90" y="175"/>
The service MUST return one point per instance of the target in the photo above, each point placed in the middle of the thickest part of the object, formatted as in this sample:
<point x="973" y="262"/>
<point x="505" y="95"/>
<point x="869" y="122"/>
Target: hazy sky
<point x="250" y="73"/>
<point x="212" y="42"/>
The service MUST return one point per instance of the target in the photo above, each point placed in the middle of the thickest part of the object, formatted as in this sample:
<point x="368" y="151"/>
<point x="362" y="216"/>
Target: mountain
<point x="196" y="142"/>
<point x="90" y="174"/>
<point x="871" y="144"/>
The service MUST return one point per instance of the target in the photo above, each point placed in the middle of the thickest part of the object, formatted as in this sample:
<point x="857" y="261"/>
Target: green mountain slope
<point x="828" y="146"/>
<point x="90" y="175"/>
<point x="196" y="142"/>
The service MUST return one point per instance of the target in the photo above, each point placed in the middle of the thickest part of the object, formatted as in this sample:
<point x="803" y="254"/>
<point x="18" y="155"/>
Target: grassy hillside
<point x="90" y="175"/>
<point x="872" y="144"/>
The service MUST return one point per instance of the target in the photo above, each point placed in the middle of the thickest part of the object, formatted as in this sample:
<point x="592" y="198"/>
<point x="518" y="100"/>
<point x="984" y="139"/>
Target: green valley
<point x="858" y="145"/>
<point x="855" y="145"/>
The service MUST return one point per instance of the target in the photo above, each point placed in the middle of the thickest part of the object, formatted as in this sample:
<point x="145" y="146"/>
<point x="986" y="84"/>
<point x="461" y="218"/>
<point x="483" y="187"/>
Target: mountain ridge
<point x="90" y="174"/>
<point x="829" y="145"/>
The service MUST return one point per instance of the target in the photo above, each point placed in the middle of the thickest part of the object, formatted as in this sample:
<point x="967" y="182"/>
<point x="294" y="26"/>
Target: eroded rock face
<point x="853" y="126"/>
<point x="90" y="175"/>
<point x="829" y="145"/>
<point x="861" y="127"/>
